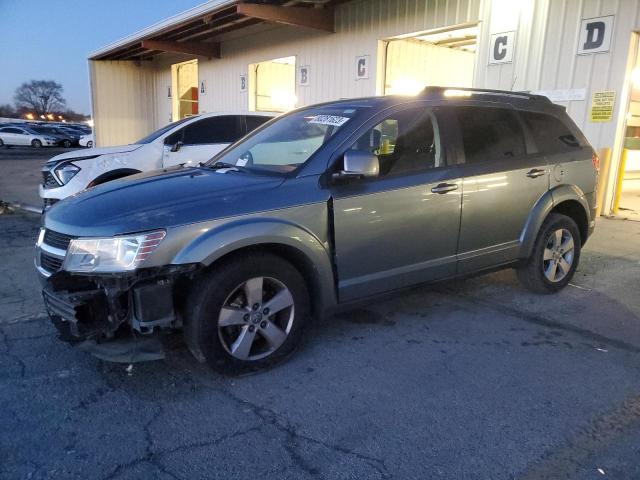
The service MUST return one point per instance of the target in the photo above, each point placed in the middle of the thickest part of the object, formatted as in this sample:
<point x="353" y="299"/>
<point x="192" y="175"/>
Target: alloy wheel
<point x="256" y="318"/>
<point x="558" y="255"/>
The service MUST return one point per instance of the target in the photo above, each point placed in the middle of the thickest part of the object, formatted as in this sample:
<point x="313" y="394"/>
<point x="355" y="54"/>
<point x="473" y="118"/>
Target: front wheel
<point x="66" y="144"/>
<point x="36" y="143"/>
<point x="89" y="144"/>
<point x="247" y="313"/>
<point x="554" y="257"/>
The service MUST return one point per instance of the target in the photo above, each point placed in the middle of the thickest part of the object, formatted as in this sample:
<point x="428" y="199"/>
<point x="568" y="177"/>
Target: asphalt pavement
<point x="472" y="379"/>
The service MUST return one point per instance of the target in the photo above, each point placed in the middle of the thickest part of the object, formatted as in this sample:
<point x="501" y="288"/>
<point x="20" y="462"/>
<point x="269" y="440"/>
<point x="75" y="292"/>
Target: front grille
<point x="48" y="180"/>
<point x="50" y="263"/>
<point x="57" y="240"/>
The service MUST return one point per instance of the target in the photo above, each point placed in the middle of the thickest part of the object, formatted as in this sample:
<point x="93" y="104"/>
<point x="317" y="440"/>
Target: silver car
<point x="326" y="206"/>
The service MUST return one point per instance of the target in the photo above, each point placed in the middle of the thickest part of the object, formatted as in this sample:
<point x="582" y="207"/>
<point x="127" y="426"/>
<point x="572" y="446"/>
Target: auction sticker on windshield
<point x="334" y="120"/>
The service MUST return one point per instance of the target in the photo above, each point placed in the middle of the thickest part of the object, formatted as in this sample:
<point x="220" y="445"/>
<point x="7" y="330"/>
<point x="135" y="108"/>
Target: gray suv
<point x="326" y="206"/>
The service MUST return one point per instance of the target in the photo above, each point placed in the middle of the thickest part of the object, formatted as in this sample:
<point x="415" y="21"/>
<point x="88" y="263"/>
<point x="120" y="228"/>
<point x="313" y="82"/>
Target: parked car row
<point x="315" y="210"/>
<point x="42" y="135"/>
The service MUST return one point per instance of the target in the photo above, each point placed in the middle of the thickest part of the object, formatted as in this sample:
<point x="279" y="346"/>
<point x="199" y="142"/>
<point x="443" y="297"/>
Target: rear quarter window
<point x="490" y="133"/>
<point x="550" y="134"/>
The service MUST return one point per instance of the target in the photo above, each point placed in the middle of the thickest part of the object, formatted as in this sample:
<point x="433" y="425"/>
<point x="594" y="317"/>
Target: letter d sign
<point x="595" y="35"/>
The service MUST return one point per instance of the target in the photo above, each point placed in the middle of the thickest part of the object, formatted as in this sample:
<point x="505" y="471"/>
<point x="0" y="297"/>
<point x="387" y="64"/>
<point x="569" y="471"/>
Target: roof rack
<point x="439" y="92"/>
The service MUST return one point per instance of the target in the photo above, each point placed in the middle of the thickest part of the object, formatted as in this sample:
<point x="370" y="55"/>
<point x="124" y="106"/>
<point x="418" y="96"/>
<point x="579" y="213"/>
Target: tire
<point x="66" y="144"/>
<point x="89" y="144"/>
<point x="241" y="343"/>
<point x="36" y="143"/>
<point x="555" y="256"/>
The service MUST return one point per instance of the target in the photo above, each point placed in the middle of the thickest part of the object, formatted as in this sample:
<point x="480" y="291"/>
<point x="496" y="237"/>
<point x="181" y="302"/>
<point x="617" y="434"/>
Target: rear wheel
<point x="554" y="257"/>
<point x="36" y="143"/>
<point x="247" y="314"/>
<point x="66" y="144"/>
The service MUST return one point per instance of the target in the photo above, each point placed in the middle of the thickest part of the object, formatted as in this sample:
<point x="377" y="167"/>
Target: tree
<point x="40" y="97"/>
<point x="7" y="111"/>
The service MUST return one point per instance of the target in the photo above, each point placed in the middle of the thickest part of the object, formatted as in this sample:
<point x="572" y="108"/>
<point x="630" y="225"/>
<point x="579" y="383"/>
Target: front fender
<point x="541" y="210"/>
<point x="213" y="243"/>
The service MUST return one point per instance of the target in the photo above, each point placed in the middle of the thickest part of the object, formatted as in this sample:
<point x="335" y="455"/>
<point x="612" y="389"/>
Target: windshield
<point x="287" y="143"/>
<point x="158" y="133"/>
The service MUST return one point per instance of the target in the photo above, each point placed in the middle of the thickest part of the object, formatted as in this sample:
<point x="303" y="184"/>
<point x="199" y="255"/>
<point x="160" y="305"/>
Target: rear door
<point x="503" y="180"/>
<point x="203" y="139"/>
<point x="11" y="136"/>
<point x="400" y="228"/>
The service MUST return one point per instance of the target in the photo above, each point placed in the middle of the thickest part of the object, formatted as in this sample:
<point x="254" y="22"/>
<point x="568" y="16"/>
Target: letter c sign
<point x="595" y="35"/>
<point x="501" y="48"/>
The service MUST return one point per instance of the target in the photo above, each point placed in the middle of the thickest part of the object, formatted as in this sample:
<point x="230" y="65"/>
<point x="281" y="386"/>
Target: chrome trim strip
<point x="56" y="252"/>
<point x="42" y="271"/>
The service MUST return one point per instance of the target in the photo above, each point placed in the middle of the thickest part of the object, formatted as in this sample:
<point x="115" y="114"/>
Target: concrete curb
<point x="26" y="207"/>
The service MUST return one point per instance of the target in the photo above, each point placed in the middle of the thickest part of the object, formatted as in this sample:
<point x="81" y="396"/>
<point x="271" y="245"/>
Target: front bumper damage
<point x="118" y="317"/>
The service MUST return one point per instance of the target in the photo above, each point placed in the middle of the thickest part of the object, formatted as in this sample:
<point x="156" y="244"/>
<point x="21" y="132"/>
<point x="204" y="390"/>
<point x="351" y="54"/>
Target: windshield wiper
<point x="220" y="165"/>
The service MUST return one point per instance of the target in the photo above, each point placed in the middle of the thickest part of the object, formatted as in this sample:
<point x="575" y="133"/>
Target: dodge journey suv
<point x="326" y="206"/>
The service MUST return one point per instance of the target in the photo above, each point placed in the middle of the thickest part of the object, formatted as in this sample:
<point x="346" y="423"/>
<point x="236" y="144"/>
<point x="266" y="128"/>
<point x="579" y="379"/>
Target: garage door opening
<point x="627" y="199"/>
<point x="184" y="80"/>
<point x="273" y="85"/>
<point x="441" y="57"/>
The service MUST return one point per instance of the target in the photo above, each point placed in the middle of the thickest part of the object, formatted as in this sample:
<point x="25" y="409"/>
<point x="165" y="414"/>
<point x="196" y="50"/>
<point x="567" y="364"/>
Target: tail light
<point x="595" y="159"/>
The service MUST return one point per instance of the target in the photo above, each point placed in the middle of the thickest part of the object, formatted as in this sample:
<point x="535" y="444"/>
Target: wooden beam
<point x="318" y="18"/>
<point x="211" y="50"/>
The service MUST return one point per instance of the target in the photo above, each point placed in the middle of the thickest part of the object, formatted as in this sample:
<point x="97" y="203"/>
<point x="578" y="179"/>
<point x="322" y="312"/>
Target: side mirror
<point x="176" y="146"/>
<point x="359" y="164"/>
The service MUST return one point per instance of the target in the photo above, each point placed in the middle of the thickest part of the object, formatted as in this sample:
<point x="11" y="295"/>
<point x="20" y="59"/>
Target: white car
<point x="186" y="142"/>
<point x="86" y="140"/>
<point x="18" y="136"/>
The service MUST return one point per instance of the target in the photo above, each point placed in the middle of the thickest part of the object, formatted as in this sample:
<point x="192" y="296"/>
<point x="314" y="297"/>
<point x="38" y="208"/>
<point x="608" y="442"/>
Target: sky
<point x="51" y="39"/>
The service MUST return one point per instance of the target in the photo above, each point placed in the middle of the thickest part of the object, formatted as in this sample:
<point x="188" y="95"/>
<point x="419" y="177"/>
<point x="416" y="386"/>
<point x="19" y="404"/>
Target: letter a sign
<point x="595" y="35"/>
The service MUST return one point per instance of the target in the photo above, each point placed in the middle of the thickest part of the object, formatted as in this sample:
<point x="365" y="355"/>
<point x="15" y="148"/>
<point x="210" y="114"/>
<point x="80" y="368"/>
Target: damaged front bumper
<point x="118" y="317"/>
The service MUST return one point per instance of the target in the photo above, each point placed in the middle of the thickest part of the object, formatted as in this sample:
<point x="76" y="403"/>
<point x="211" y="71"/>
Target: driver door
<point x="201" y="140"/>
<point x="402" y="227"/>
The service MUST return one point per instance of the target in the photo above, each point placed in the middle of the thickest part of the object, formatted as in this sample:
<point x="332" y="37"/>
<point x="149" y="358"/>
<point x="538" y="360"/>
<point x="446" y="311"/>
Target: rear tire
<point x="247" y="313"/>
<point x="36" y="143"/>
<point x="555" y="256"/>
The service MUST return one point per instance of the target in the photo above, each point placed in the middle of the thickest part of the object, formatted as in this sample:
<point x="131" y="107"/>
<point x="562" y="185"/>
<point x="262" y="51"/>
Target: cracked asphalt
<point x="473" y="379"/>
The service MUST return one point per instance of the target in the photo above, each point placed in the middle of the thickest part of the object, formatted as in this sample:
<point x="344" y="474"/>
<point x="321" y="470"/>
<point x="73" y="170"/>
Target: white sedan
<point x="86" y="140"/>
<point x="19" y="136"/>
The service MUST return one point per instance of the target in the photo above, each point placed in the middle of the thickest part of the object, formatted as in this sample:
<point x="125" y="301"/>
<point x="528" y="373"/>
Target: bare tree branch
<point x="40" y="96"/>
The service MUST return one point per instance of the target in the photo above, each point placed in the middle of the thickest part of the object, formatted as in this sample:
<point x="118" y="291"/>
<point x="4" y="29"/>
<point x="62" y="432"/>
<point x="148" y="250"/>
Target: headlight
<point x="66" y="172"/>
<point x="115" y="254"/>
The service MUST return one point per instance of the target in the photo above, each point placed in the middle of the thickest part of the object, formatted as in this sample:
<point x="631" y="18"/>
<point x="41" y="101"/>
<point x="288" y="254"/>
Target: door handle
<point x="535" y="173"/>
<point x="444" y="188"/>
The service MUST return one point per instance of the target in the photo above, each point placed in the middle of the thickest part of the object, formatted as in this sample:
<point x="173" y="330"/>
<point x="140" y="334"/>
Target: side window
<point x="175" y="137"/>
<point x="490" y="133"/>
<point x="405" y="142"/>
<point x="11" y="130"/>
<point x="222" y="129"/>
<point x="549" y="133"/>
<point x="254" y="122"/>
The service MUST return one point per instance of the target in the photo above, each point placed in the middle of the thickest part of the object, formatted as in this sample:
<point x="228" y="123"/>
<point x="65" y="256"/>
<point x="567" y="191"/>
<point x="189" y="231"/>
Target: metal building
<point x="230" y="55"/>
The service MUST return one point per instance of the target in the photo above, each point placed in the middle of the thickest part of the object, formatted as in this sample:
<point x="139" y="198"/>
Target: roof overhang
<point x="197" y="31"/>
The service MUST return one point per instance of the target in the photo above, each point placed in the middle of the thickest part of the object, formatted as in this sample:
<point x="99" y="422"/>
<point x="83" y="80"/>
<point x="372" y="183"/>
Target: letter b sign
<point x="595" y="35"/>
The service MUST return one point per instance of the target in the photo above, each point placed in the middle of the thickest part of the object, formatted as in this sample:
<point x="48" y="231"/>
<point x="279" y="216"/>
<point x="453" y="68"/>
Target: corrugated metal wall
<point x="123" y="101"/>
<point x="130" y="100"/>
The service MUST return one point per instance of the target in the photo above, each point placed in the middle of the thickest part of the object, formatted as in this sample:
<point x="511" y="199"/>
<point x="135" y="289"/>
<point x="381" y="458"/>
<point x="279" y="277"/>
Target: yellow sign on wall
<point x="602" y="106"/>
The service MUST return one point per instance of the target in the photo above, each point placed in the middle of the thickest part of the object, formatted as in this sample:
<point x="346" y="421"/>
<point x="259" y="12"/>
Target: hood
<point x="90" y="152"/>
<point x="160" y="199"/>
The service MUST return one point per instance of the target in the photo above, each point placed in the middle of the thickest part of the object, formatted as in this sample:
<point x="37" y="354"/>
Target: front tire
<point x="66" y="144"/>
<point x="89" y="144"/>
<point x="248" y="313"/>
<point x="554" y="257"/>
<point x="36" y="143"/>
